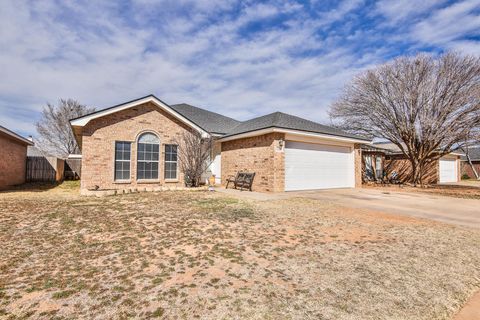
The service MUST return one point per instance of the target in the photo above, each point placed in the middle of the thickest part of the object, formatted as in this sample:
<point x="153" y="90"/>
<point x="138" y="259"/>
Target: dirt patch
<point x="201" y="255"/>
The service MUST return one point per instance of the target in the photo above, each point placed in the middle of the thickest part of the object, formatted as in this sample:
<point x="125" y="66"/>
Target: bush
<point x="465" y="176"/>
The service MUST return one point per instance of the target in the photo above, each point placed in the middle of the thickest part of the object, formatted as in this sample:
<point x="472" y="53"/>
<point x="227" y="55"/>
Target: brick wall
<point x="467" y="169"/>
<point x="403" y="167"/>
<point x="357" y="153"/>
<point x="260" y="154"/>
<point x="98" y="145"/>
<point x="13" y="162"/>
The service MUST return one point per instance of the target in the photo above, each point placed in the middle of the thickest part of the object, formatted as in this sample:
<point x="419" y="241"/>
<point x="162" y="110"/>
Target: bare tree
<point x="426" y="106"/>
<point x="55" y="134"/>
<point x="194" y="156"/>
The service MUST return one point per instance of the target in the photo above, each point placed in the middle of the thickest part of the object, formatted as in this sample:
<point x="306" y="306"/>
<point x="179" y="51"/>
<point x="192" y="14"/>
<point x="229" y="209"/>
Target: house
<point x="133" y="145"/>
<point x="13" y="158"/>
<point x="387" y="157"/>
<point x="467" y="167"/>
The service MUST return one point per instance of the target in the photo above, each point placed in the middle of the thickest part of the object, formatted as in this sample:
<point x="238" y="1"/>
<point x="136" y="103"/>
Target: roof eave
<point x="292" y="131"/>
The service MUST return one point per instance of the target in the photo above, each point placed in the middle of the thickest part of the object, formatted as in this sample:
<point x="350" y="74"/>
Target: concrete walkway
<point x="471" y="310"/>
<point x="464" y="212"/>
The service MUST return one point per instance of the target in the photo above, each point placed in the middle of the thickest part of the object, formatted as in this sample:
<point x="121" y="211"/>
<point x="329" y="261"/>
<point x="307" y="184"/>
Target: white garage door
<point x="448" y="170"/>
<point x="318" y="166"/>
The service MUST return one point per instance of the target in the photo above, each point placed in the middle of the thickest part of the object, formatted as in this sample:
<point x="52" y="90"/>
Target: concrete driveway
<point x="465" y="212"/>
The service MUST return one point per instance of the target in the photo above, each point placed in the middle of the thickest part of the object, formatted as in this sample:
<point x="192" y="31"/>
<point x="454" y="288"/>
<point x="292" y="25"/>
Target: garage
<point x="448" y="170"/>
<point x="311" y="166"/>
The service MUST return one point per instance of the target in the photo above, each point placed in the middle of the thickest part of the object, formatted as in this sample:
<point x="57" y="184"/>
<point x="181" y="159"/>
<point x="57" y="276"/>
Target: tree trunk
<point x="417" y="171"/>
<point x="473" y="167"/>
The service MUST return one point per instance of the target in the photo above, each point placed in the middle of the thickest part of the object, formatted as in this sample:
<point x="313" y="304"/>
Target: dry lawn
<point x="187" y="255"/>
<point x="464" y="191"/>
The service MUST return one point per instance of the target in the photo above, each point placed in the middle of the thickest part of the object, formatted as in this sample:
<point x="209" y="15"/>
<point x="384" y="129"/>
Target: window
<point x="378" y="167"/>
<point x="368" y="166"/>
<point x="147" y="156"/>
<point x="122" y="160"/>
<point x="170" y="161"/>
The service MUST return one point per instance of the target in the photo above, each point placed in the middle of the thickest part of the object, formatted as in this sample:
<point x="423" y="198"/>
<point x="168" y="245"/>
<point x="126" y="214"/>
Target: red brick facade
<point x="260" y="154"/>
<point x="13" y="161"/>
<point x="98" y="145"/>
<point x="466" y="169"/>
<point x="357" y="152"/>
<point x="403" y="167"/>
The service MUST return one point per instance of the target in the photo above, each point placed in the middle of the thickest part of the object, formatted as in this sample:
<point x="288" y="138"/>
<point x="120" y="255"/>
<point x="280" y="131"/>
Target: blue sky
<point x="241" y="59"/>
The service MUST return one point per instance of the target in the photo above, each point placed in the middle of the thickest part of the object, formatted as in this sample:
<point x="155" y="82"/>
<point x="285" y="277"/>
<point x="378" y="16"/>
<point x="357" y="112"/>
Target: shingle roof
<point x="388" y="146"/>
<point x="474" y="153"/>
<point x="207" y="120"/>
<point x="33" y="151"/>
<point x="215" y="123"/>
<point x="286" y="121"/>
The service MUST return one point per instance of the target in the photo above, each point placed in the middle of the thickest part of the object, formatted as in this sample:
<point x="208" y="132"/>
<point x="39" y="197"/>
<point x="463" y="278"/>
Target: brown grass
<point x="464" y="191"/>
<point x="187" y="255"/>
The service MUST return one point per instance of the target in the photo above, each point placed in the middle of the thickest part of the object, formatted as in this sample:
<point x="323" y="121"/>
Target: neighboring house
<point x="387" y="157"/>
<point x="474" y="154"/>
<point x="13" y="158"/>
<point x="133" y="145"/>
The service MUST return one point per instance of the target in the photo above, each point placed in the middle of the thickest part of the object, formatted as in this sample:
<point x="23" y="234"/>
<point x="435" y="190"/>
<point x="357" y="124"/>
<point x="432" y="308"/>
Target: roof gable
<point x="84" y="120"/>
<point x="15" y="136"/>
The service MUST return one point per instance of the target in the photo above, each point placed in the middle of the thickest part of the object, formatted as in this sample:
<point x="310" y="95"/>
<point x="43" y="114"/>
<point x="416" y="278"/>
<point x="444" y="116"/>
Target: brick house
<point x="467" y="167"/>
<point x="386" y="157"/>
<point x="133" y="145"/>
<point x="13" y="158"/>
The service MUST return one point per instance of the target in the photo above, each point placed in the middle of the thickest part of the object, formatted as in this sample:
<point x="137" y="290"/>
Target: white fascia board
<point x="86" y="119"/>
<point x="323" y="136"/>
<point x="293" y="132"/>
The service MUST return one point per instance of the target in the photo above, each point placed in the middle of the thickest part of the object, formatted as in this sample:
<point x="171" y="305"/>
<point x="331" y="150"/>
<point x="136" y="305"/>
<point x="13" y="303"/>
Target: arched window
<point x="148" y="147"/>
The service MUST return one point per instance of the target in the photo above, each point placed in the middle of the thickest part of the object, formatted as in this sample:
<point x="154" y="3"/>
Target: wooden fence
<point x="73" y="169"/>
<point x="43" y="169"/>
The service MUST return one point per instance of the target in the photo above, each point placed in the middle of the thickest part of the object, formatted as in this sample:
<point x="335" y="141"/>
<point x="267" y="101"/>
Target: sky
<point x="241" y="59"/>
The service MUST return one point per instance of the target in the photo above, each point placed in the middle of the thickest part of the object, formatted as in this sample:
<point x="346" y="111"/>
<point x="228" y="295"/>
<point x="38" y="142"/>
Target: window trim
<point x="165" y="164"/>
<point x="115" y="162"/>
<point x="147" y="180"/>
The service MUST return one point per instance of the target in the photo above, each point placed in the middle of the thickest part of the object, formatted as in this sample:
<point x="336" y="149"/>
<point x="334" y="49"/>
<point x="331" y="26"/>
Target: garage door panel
<point x="448" y="170"/>
<point x="315" y="166"/>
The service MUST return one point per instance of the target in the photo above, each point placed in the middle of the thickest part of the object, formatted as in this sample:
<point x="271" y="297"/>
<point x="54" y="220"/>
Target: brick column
<point x="279" y="163"/>
<point x="358" y="165"/>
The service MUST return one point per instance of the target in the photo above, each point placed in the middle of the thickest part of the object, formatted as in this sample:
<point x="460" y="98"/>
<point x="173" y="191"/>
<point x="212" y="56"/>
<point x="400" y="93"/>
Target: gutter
<point x="259" y="132"/>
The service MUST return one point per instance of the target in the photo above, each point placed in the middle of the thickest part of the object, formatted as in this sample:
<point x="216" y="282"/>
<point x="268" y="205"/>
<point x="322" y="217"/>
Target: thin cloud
<point x="242" y="59"/>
